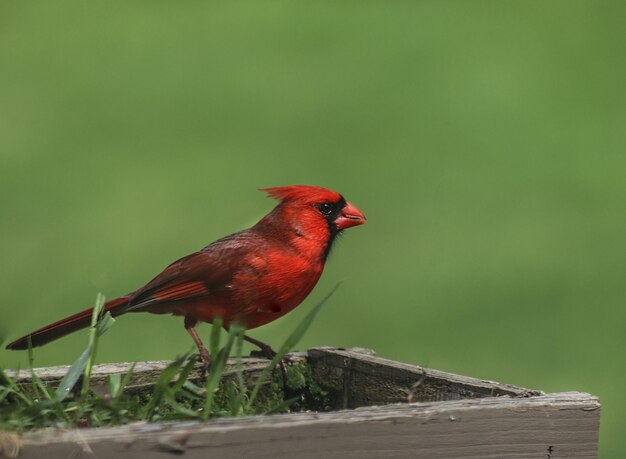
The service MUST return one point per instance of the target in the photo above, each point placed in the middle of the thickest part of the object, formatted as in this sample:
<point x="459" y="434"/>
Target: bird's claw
<point x="269" y="354"/>
<point x="266" y="352"/>
<point x="205" y="359"/>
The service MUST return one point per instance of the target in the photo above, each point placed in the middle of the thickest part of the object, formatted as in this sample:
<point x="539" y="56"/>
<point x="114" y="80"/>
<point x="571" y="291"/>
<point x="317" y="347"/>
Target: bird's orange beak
<point x="349" y="216"/>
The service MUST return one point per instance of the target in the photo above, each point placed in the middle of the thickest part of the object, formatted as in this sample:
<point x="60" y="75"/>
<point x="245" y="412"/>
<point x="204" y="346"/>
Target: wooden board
<point x="451" y="416"/>
<point x="145" y="373"/>
<point x="365" y="379"/>
<point x="548" y="426"/>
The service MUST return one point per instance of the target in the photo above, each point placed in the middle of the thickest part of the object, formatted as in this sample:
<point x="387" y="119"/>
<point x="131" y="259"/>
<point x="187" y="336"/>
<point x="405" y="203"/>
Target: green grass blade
<point x="115" y="382"/>
<point x="282" y="406"/>
<point x="31" y="365"/>
<point x="291" y="341"/>
<point x="72" y="376"/>
<point x="4" y="392"/>
<point x="39" y="388"/>
<point x="8" y="382"/>
<point x="93" y="340"/>
<point x="181" y="410"/>
<point x="127" y="377"/>
<point x="193" y="389"/>
<point x="217" y="369"/>
<point x="104" y="324"/>
<point x="36" y="381"/>
<point x="162" y="386"/>
<point x="237" y="406"/>
<point x="184" y="374"/>
<point x="216" y="331"/>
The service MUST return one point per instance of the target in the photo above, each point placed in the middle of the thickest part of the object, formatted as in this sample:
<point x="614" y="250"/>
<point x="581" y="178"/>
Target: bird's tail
<point x="68" y="325"/>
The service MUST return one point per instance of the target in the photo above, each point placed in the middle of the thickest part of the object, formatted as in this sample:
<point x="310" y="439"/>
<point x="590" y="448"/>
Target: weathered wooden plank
<point x="363" y="379"/>
<point x="146" y="373"/>
<point x="456" y="417"/>
<point x="356" y="376"/>
<point x="561" y="425"/>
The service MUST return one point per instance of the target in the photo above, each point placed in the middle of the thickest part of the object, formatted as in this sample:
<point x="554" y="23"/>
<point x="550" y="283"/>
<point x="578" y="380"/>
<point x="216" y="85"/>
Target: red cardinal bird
<point x="249" y="278"/>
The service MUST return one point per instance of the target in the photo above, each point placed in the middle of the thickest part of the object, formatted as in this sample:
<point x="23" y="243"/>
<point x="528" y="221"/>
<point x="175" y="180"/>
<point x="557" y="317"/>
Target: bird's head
<point x="313" y="212"/>
<point x="324" y="203"/>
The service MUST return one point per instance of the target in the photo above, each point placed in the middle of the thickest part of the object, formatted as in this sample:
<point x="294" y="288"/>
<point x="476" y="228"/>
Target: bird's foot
<point x="204" y="358"/>
<point x="264" y="351"/>
<point x="269" y="353"/>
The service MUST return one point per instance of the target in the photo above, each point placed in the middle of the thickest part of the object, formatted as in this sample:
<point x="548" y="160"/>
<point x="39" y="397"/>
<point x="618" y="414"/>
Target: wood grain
<point x="450" y="416"/>
<point x="364" y="379"/>
<point x="146" y="373"/>
<point x="561" y="425"/>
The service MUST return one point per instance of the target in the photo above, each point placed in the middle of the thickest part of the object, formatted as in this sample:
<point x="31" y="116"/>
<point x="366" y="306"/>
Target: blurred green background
<point x="483" y="140"/>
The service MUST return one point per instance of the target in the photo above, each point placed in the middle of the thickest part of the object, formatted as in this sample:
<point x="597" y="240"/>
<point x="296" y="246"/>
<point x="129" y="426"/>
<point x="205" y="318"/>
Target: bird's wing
<point x="206" y="273"/>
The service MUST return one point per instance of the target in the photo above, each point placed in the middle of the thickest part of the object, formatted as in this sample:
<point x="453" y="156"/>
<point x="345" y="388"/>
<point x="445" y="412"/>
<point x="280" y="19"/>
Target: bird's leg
<point x="266" y="349"/>
<point x="269" y="353"/>
<point x="190" y="324"/>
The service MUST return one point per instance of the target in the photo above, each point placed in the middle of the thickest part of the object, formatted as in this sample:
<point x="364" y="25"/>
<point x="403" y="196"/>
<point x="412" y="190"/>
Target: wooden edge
<point x="514" y="423"/>
<point x="356" y="375"/>
<point x="451" y="410"/>
<point x="144" y="373"/>
<point x="356" y="359"/>
<point x="372" y="366"/>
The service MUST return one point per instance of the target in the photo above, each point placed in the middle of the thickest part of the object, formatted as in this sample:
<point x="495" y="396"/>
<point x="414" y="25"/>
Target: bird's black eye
<point x="326" y="208"/>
